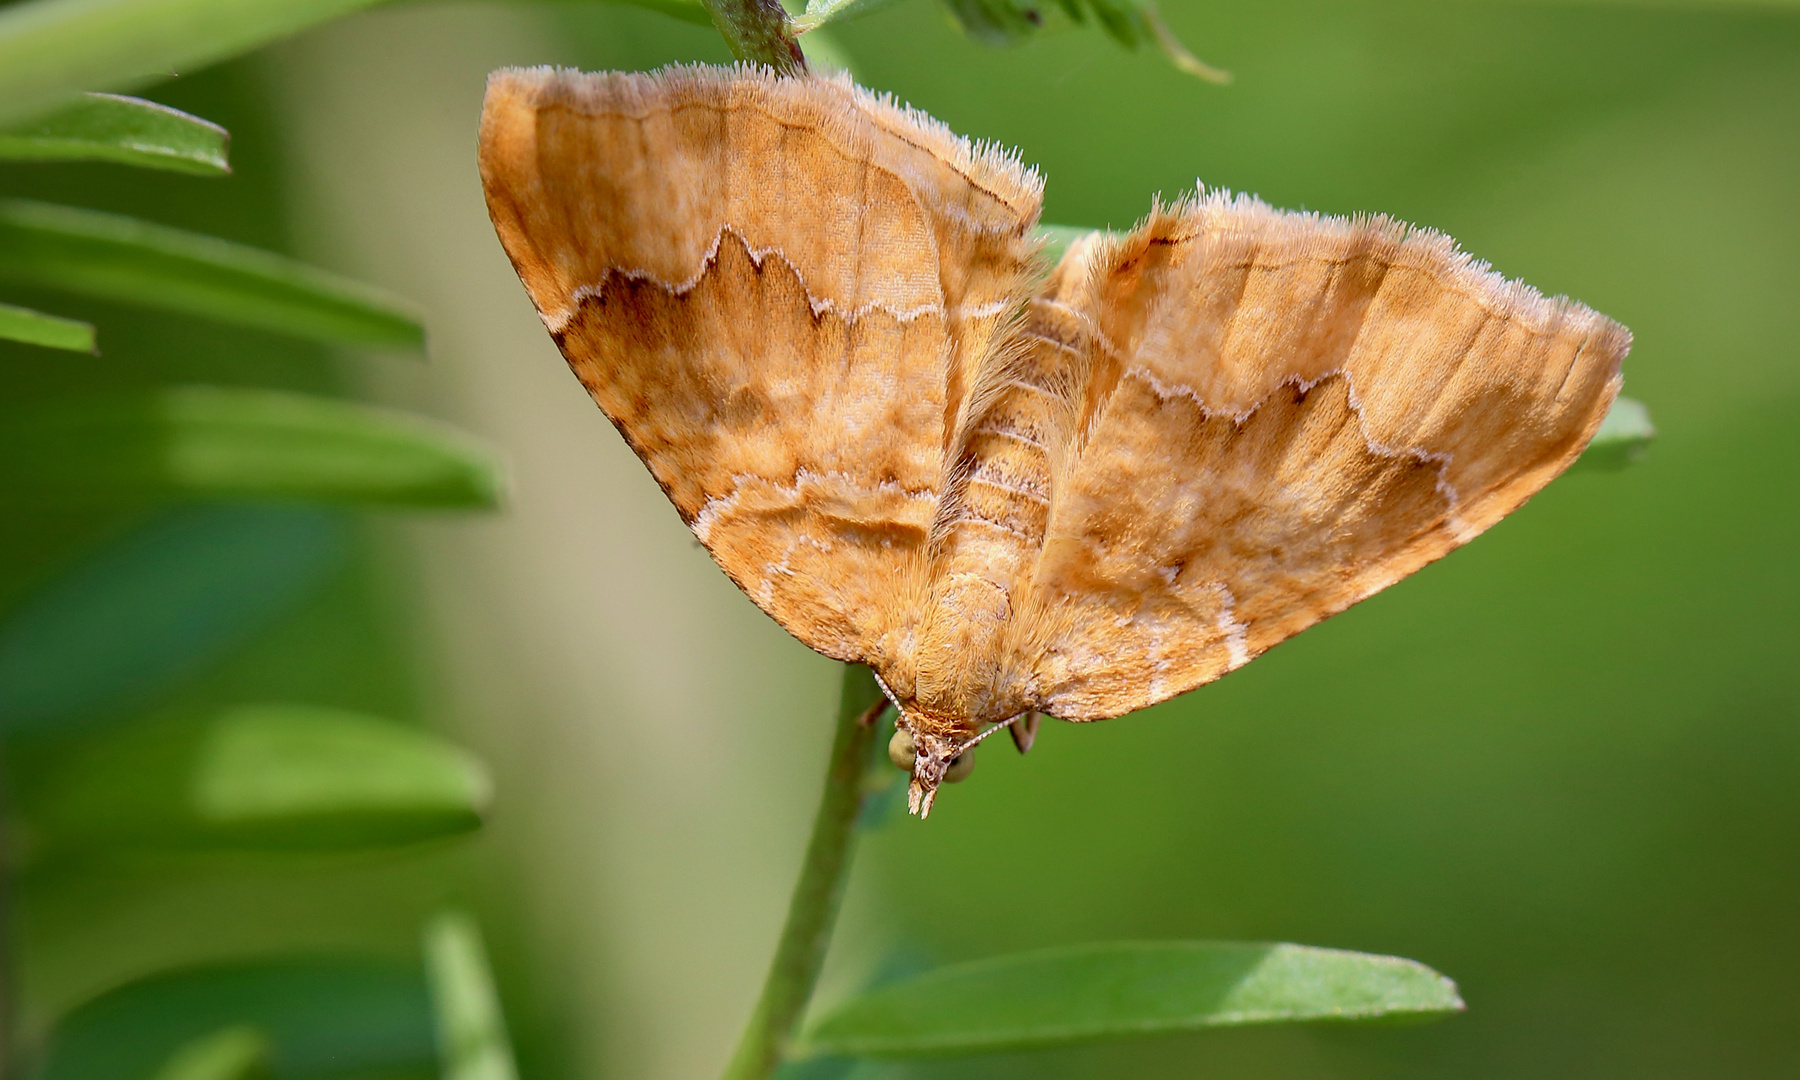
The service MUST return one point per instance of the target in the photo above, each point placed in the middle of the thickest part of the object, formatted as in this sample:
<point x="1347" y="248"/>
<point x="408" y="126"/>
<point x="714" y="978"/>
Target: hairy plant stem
<point x="813" y="909"/>
<point x="759" y="31"/>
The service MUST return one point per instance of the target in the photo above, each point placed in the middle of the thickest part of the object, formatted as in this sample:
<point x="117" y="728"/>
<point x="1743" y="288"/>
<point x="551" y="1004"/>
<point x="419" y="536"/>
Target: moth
<point x="824" y="323"/>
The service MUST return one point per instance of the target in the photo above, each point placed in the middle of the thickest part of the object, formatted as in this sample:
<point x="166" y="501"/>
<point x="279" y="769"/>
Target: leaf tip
<point x="1178" y="53"/>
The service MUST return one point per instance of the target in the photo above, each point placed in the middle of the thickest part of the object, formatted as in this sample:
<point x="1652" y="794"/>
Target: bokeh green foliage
<point x="260" y="777"/>
<point x="1559" y="765"/>
<point x="320" y="1016"/>
<point x="163" y="526"/>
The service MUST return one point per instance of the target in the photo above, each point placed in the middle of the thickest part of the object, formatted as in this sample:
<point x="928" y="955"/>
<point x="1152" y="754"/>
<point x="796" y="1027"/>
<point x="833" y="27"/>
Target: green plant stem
<point x="813" y="909"/>
<point x="759" y="31"/>
<point x="8" y="991"/>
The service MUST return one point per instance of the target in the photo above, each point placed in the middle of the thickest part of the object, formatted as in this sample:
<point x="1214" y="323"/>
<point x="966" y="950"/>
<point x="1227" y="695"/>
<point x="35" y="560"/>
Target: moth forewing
<point x="819" y="319"/>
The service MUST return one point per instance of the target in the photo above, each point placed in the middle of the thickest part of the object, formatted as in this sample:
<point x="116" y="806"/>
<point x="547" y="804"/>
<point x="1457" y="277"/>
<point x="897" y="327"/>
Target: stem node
<point x="759" y="31"/>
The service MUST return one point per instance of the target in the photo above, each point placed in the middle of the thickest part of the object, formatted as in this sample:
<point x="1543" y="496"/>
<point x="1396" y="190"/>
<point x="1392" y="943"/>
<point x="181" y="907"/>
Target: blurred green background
<point x="1560" y="766"/>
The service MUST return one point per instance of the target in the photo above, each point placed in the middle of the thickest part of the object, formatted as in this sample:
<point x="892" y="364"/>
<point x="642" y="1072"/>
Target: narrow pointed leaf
<point x="1111" y="991"/>
<point x="471" y="1033"/>
<point x="240" y="1052"/>
<point x="273" y="777"/>
<point x="50" y="331"/>
<point x="322" y="1018"/>
<point x="126" y="130"/>
<point x="1150" y="22"/>
<point x="824" y="12"/>
<point x="995" y="22"/>
<point x="1006" y="22"/>
<point x="51" y="50"/>
<point x="157" y="606"/>
<point x="122" y="258"/>
<point x="217" y="442"/>
<point x="1623" y="436"/>
<point x="1131" y="23"/>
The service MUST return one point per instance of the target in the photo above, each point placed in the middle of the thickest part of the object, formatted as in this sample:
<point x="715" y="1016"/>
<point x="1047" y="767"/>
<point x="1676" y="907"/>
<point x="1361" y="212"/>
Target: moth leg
<point x="873" y="713"/>
<point x="1024" y="730"/>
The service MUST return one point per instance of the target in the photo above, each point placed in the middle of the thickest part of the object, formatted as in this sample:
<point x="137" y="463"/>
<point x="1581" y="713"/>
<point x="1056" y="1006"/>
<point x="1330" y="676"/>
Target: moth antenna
<point x="881" y="682"/>
<point x="1001" y="726"/>
<point x="871" y="715"/>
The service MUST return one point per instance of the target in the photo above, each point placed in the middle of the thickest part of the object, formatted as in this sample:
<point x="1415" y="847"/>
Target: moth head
<point x="932" y="759"/>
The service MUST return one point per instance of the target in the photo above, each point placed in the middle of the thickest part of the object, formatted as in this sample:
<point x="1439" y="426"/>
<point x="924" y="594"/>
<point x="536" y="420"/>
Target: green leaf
<point x="51" y="50"/>
<point x="157" y="606"/>
<point x="273" y="777"/>
<point x="322" y="1018"/>
<point x="1623" y="436"/>
<point x="1131" y="23"/>
<point x="234" y="1053"/>
<point x="471" y="1034"/>
<point x="823" y="12"/>
<point x="995" y="22"/>
<point x="218" y="442"/>
<point x="122" y="258"/>
<point x="50" y="331"/>
<point x="126" y="130"/>
<point x="1111" y="991"/>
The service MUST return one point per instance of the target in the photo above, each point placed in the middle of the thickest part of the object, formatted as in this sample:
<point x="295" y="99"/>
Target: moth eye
<point x="960" y="767"/>
<point x="901" y="750"/>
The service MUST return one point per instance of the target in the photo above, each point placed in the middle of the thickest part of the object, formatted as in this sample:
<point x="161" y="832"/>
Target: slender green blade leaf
<point x="122" y="258"/>
<point x="471" y="1033"/>
<point x="51" y="50"/>
<point x="156" y="607"/>
<point x="271" y="777"/>
<point x="322" y="1018"/>
<point x="239" y="1052"/>
<point x="50" y="331"/>
<point x="1005" y="22"/>
<point x="218" y="442"/>
<point x="1112" y="991"/>
<point x="127" y="130"/>
<point x="1131" y="23"/>
<point x="995" y="22"/>
<point x="823" y="12"/>
<point x="1623" y="436"/>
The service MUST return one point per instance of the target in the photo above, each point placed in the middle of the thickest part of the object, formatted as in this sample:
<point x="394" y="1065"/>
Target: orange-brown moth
<point x="821" y="320"/>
